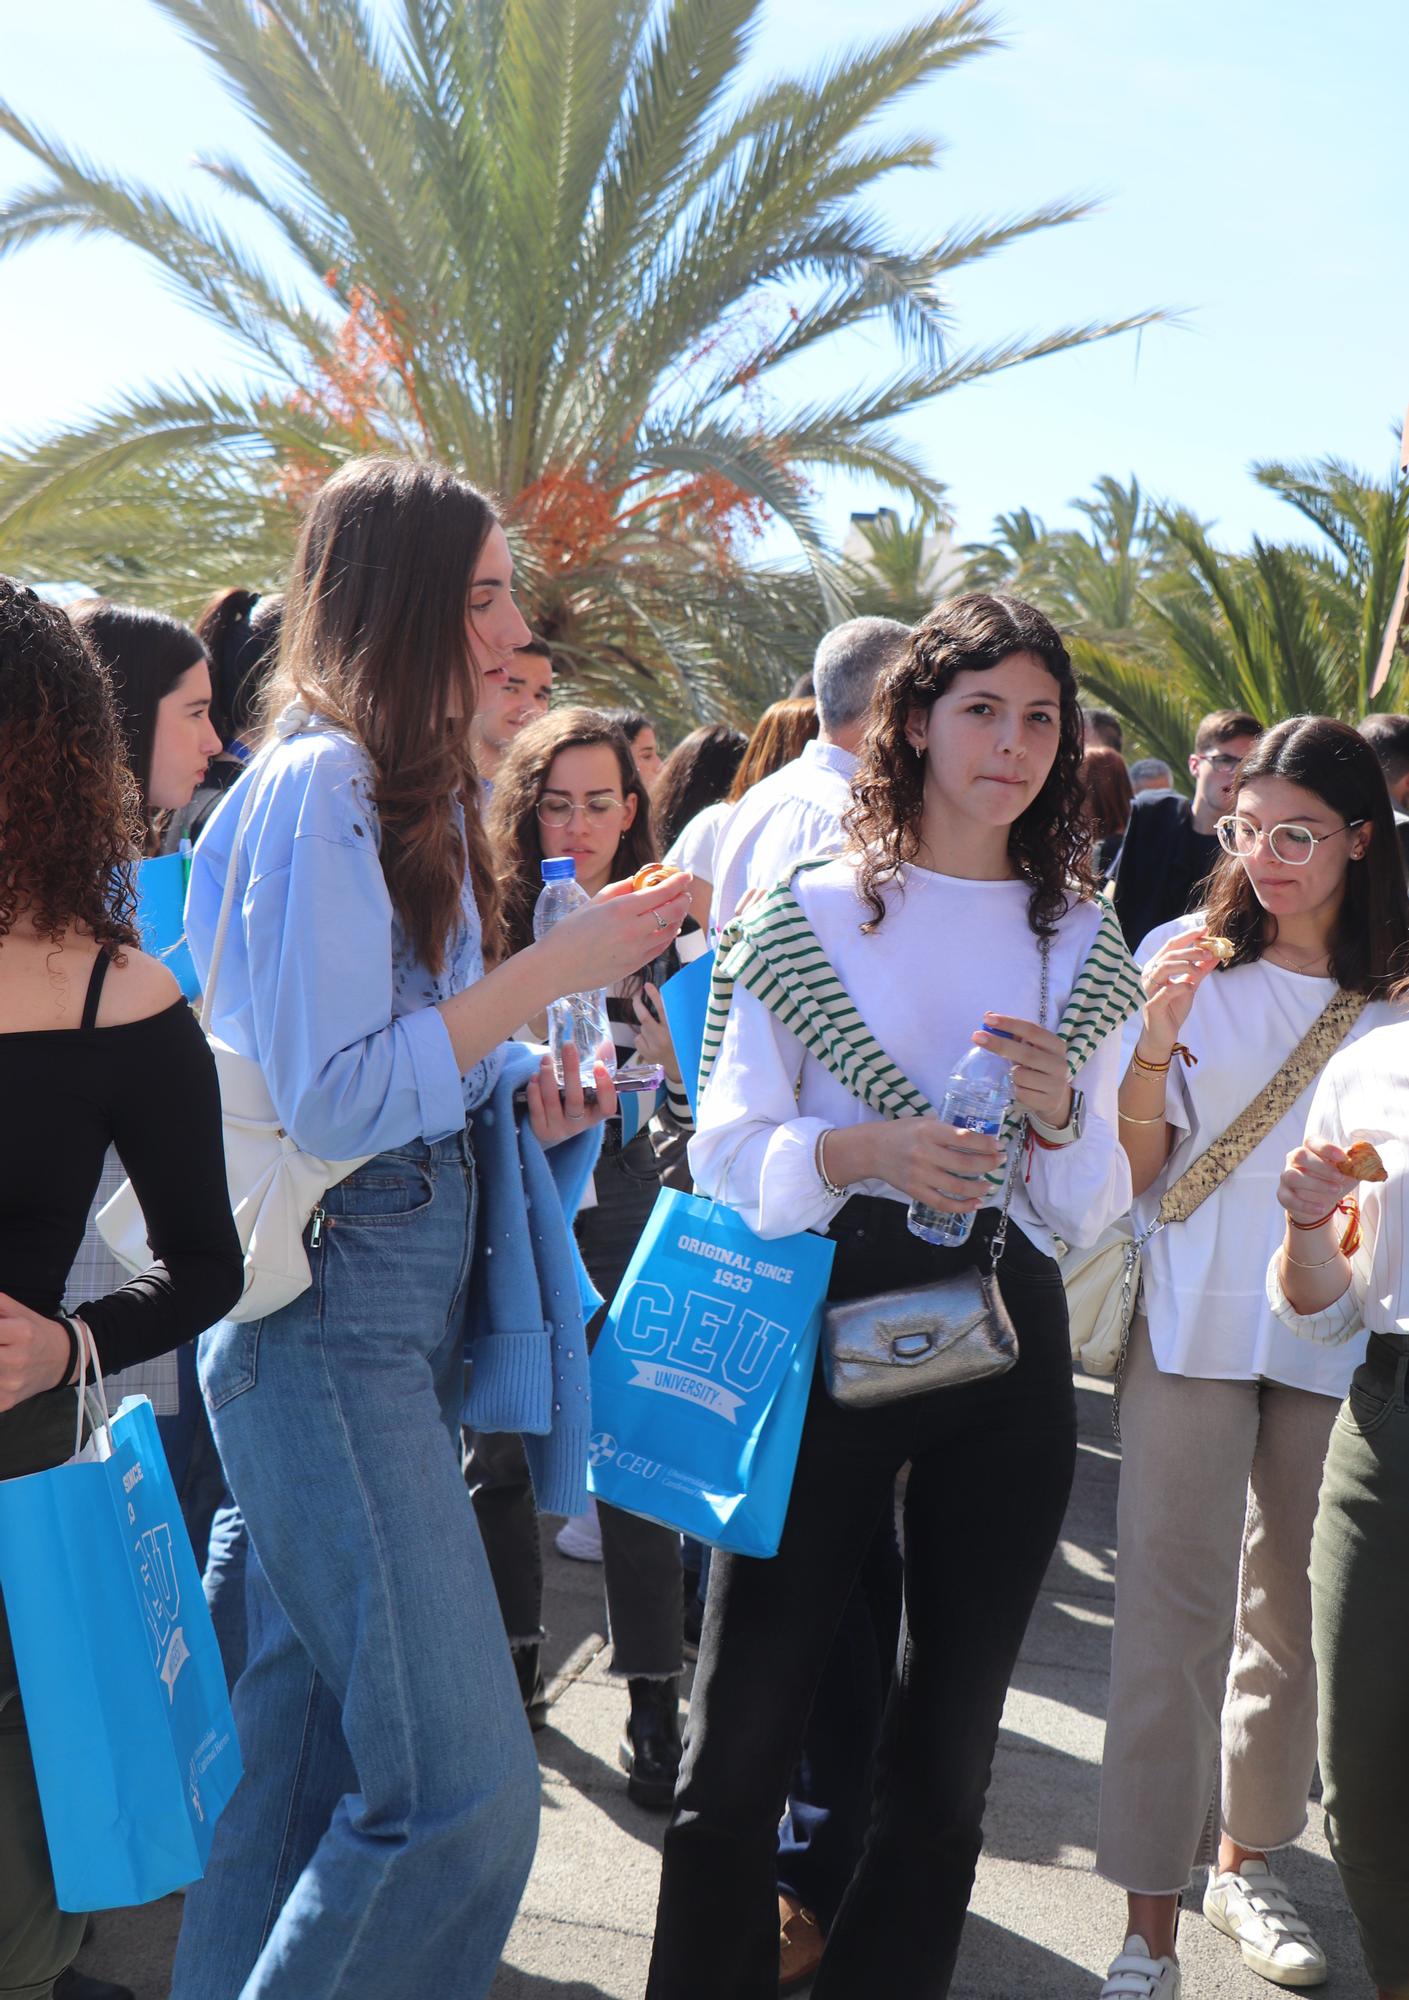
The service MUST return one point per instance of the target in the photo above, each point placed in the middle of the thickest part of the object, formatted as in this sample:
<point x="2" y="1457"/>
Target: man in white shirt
<point x="795" y="814"/>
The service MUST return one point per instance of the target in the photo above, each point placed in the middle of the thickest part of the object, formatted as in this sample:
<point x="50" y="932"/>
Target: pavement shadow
<point x="997" y="1964"/>
<point x="511" y="1984"/>
<point x="603" y="1783"/>
<point x="1042" y="1803"/>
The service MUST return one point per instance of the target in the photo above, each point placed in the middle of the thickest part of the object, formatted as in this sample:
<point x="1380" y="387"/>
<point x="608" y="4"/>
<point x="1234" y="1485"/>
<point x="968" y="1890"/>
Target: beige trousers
<point x="1212" y="1715"/>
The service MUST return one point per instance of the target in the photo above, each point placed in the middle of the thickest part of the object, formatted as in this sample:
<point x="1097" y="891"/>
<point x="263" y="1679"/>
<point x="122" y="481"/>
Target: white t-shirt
<point x="948" y="951"/>
<point x="693" y="848"/>
<point x="790" y="816"/>
<point x="1364" y="1094"/>
<point x="1205" y="1279"/>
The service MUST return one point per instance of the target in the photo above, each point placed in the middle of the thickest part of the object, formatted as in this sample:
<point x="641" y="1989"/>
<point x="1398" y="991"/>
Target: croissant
<point x="1363" y="1163"/>
<point x="652" y="873"/>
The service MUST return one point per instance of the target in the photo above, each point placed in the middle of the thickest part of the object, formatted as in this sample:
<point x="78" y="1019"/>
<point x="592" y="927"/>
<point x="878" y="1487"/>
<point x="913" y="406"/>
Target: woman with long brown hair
<point x="780" y="734"/>
<point x="1225" y="1415"/>
<point x="97" y="1048"/>
<point x="1109" y="798"/>
<point x="570" y="787"/>
<point x="383" y="1832"/>
<point x="963" y="906"/>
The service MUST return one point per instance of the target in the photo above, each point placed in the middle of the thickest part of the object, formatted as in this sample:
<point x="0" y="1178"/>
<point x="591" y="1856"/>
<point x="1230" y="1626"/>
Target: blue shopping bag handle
<point x="685" y="997"/>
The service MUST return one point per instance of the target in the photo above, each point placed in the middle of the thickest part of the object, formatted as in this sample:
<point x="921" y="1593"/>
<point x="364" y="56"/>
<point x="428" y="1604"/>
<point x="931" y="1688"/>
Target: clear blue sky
<point x="1251" y="156"/>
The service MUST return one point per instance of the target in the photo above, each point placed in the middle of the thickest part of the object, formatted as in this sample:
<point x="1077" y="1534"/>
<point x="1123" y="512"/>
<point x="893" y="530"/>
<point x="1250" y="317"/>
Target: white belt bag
<point x="274" y="1185"/>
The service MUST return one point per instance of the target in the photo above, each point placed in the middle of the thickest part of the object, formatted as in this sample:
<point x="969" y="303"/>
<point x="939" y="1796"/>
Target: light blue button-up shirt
<point x="318" y="981"/>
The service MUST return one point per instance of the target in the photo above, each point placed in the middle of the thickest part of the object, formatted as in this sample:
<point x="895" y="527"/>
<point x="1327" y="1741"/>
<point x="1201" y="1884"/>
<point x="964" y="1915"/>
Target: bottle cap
<point x="562" y="870"/>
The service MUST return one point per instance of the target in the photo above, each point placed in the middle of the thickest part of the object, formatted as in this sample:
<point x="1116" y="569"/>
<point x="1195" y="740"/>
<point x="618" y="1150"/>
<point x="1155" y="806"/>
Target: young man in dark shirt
<point x="1388" y="737"/>
<point x="1171" y="845"/>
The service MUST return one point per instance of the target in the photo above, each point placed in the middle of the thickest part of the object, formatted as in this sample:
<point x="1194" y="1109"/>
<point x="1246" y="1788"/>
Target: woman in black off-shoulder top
<point x="96" y="1048"/>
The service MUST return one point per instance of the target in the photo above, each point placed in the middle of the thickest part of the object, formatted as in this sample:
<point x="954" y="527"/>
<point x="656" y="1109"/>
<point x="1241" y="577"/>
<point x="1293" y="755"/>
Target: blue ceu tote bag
<point x="700" y="1376"/>
<point x="123" y="1688"/>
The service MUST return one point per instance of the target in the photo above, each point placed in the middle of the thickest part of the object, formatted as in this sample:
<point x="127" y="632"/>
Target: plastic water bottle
<point x="979" y="1093"/>
<point x="578" y="1019"/>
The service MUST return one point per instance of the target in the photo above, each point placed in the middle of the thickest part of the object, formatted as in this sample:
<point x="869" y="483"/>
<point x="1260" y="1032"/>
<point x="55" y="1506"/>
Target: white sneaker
<point x="1253" y="1907"/>
<point x="580" y="1537"/>
<point x="1134" y="1975"/>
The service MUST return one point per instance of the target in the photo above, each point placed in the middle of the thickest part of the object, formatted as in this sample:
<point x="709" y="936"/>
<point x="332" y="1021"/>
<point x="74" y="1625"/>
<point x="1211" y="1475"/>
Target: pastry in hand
<point x="1222" y="948"/>
<point x="652" y="873"/>
<point x="1363" y="1163"/>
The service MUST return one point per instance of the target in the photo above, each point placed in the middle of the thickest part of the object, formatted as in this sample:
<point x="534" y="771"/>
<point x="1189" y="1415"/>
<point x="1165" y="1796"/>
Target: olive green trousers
<point x="1360" y="1635"/>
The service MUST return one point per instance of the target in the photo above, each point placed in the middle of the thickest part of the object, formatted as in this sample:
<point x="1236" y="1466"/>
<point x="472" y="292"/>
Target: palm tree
<point x="1095" y="584"/>
<point x="1284" y="630"/>
<point x="900" y="574"/>
<point x="553" y="244"/>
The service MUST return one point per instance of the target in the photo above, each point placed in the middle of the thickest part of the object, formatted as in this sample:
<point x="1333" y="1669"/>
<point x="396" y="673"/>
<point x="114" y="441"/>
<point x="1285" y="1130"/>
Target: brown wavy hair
<point x="1109" y="793"/>
<point x="779" y="736"/>
<point x="514" y="835"/>
<point x="1370" y="948"/>
<point x="1049" y="844"/>
<point x="70" y="812"/>
<point x="375" y="637"/>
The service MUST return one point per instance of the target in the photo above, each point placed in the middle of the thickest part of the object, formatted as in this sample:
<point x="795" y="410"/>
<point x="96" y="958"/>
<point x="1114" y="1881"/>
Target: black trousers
<point x="991" y="1469"/>
<point x="642" y="1570"/>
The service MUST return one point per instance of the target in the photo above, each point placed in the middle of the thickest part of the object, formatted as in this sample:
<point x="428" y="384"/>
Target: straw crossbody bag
<point x="274" y="1185"/>
<point x="1103" y="1284"/>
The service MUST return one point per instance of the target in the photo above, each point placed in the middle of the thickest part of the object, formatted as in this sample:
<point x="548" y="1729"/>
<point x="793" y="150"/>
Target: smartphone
<point x="589" y="1096"/>
<point x="640" y="1076"/>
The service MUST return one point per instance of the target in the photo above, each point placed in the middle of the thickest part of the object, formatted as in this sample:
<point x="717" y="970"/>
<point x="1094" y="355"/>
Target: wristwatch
<point x="1050" y="1137"/>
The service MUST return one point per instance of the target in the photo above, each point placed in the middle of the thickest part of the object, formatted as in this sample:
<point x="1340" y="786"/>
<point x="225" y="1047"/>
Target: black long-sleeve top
<point x="149" y="1088"/>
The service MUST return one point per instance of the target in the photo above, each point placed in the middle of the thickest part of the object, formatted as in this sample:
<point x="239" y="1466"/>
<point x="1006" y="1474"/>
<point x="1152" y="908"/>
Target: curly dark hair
<point x="70" y="813"/>
<point x="1049" y="843"/>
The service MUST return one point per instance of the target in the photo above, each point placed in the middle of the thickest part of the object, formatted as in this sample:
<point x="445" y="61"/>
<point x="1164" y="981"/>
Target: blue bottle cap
<point x="562" y="870"/>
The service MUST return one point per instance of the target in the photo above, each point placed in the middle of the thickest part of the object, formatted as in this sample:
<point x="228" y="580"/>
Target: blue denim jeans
<point x="223" y="1582"/>
<point x="384" y="1830"/>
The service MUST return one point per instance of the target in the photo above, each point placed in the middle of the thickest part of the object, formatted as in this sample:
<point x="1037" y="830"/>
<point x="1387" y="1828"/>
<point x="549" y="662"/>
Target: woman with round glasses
<point x="1224" y="1414"/>
<point x="570" y="787"/>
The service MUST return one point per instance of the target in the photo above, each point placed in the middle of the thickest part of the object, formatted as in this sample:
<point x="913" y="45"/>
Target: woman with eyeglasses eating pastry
<point x="570" y="788"/>
<point x="1224" y="1414"/>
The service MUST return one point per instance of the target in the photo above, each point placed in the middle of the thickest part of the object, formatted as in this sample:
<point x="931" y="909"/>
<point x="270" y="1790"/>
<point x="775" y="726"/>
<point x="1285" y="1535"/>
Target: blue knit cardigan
<point x="530" y="1297"/>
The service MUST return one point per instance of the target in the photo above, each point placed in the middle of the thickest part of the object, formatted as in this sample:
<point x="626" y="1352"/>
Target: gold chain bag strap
<point x="919" y="1338"/>
<point x="1233" y="1146"/>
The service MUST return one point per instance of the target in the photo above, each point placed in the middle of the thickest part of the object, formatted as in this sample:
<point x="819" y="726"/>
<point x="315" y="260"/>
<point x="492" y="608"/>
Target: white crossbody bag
<point x="274" y="1185"/>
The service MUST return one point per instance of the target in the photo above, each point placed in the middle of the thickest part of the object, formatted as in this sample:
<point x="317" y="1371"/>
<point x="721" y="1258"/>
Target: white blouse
<point x="1364" y="1094"/>
<point x="694" y="847"/>
<point x="948" y="951"/>
<point x="1204" y="1287"/>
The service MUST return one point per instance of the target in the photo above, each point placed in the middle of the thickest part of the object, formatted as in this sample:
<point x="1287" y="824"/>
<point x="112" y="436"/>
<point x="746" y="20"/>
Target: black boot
<point x="530" y="1673"/>
<point x="76" y="1985"/>
<point x="650" y="1743"/>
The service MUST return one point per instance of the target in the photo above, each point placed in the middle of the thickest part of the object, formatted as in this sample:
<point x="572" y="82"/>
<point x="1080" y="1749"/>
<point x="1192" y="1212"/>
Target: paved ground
<point x="1042" y="1925"/>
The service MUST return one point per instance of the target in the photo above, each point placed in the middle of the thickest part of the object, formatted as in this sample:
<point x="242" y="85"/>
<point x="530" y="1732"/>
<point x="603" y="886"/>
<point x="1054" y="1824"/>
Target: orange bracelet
<point x="1162" y="1069"/>
<point x="1350" y="1241"/>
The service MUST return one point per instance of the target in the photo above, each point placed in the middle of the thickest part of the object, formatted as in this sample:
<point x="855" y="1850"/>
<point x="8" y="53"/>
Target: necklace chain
<point x="1296" y="965"/>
